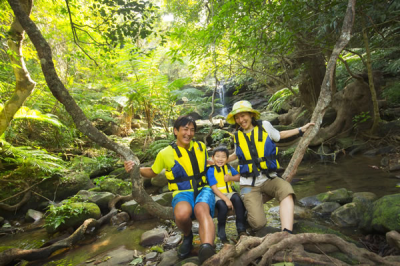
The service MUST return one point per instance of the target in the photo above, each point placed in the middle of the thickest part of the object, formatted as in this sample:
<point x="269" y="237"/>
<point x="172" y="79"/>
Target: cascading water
<point x="221" y="93"/>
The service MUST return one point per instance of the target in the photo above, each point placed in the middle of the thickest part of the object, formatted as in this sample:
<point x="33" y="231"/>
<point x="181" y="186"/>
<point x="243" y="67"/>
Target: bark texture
<point x="325" y="95"/>
<point x="24" y="84"/>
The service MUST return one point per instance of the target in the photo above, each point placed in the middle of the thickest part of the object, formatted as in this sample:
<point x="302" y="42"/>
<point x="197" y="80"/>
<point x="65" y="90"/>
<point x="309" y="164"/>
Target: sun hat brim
<point x="231" y="116"/>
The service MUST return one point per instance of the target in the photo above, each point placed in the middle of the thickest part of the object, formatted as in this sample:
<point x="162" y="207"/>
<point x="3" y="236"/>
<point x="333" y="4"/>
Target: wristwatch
<point x="301" y="133"/>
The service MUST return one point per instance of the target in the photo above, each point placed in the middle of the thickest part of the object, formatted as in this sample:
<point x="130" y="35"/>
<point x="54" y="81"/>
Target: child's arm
<point x="222" y="196"/>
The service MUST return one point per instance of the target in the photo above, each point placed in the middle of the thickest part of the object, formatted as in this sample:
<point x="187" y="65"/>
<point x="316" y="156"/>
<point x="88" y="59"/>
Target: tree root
<point x="283" y="247"/>
<point x="25" y="199"/>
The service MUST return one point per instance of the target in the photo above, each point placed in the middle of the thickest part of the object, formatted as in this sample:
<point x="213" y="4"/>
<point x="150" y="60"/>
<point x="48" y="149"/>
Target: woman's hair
<point x="221" y="149"/>
<point x="183" y="121"/>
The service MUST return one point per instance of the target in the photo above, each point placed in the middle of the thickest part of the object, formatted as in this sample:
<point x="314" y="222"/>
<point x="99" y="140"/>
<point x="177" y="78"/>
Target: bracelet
<point x="301" y="133"/>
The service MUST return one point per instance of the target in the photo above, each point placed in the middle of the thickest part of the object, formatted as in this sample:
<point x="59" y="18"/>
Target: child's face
<point x="220" y="158"/>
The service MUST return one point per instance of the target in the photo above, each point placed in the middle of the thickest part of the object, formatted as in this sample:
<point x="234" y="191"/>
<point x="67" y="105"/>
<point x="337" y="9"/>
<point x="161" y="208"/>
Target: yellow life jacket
<point x="188" y="172"/>
<point x="219" y="174"/>
<point x="256" y="153"/>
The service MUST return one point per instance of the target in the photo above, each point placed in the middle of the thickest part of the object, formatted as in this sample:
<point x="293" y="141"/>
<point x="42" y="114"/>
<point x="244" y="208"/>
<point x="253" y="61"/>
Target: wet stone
<point x="120" y="218"/>
<point x="153" y="237"/>
<point x="326" y="207"/>
<point x="151" y="256"/>
<point x="173" y="241"/>
<point x="195" y="227"/>
<point x="33" y="215"/>
<point x="169" y="258"/>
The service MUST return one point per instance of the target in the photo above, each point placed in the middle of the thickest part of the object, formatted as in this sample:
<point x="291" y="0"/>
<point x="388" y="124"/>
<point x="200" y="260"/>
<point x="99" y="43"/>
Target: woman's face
<point x="244" y="120"/>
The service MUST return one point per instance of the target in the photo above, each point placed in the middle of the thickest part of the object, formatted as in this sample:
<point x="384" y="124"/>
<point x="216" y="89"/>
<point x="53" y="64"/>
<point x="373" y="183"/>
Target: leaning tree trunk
<point x="326" y="93"/>
<point x="24" y="84"/>
<point x="81" y="121"/>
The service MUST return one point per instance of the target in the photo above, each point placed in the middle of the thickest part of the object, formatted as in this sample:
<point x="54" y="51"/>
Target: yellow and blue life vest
<point x="219" y="174"/>
<point x="188" y="172"/>
<point x="257" y="153"/>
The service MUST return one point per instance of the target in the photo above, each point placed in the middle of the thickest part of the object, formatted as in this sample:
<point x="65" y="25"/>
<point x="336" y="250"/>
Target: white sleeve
<point x="272" y="132"/>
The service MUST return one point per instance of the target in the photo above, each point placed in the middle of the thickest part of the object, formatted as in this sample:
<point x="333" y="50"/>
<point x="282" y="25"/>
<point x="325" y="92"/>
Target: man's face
<point x="244" y="120"/>
<point x="220" y="158"/>
<point x="184" y="135"/>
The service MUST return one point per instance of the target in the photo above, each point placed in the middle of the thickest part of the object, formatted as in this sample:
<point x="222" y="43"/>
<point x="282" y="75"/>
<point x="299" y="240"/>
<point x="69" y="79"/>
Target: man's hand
<point x="129" y="165"/>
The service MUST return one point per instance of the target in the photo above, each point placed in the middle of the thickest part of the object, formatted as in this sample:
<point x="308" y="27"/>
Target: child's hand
<point x="228" y="203"/>
<point x="227" y="178"/>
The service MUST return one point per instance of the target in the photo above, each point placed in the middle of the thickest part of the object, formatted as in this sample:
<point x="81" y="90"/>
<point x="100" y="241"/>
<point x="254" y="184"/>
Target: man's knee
<point x="182" y="213"/>
<point x="201" y="209"/>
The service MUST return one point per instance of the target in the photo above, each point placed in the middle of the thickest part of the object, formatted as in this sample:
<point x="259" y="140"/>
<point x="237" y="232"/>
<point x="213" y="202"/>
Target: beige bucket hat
<point x="240" y="107"/>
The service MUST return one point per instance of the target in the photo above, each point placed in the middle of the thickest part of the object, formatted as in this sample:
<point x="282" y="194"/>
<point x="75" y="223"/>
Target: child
<point x="225" y="197"/>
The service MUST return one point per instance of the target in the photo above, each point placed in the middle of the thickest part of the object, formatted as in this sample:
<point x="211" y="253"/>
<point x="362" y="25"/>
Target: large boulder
<point x="101" y="199"/>
<point x="63" y="187"/>
<point x="159" y="180"/>
<point x="348" y="215"/>
<point x="116" y="186"/>
<point x="138" y="213"/>
<point x="384" y="216"/>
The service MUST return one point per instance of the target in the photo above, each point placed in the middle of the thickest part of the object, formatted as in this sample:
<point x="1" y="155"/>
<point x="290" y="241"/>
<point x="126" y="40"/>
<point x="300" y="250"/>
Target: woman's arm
<point x="292" y="132"/>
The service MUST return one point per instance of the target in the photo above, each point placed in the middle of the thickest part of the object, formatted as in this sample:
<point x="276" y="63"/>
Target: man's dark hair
<point x="183" y="121"/>
<point x="221" y="149"/>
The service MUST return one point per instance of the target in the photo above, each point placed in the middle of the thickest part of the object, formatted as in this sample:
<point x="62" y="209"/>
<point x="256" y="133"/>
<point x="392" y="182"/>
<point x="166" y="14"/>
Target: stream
<point x="357" y="174"/>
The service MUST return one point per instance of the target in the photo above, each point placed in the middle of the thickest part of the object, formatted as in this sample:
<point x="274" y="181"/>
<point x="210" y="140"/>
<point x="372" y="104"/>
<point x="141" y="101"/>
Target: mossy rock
<point x="64" y="187"/>
<point x="120" y="173"/>
<point x="340" y="195"/>
<point x="101" y="199"/>
<point x="42" y="131"/>
<point x="386" y="214"/>
<point x="348" y="215"/>
<point x="91" y="211"/>
<point x="116" y="186"/>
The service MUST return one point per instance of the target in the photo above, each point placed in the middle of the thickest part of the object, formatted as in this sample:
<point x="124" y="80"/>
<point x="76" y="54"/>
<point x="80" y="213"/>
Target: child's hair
<point x="221" y="149"/>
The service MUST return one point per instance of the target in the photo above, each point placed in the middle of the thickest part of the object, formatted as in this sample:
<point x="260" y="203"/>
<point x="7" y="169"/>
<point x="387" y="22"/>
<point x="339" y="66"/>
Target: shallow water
<point x="353" y="173"/>
<point x="357" y="174"/>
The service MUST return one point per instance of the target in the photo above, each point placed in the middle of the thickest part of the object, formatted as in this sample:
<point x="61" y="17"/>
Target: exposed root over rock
<point x="284" y="247"/>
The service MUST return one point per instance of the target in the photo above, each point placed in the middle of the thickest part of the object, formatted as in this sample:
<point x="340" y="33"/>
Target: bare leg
<point x="206" y="225"/>
<point x="286" y="211"/>
<point x="182" y="212"/>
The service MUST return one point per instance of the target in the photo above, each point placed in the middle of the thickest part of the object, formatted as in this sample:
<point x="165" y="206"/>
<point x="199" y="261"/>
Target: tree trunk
<point x="325" y="95"/>
<point x="376" y="116"/>
<point x="24" y="84"/>
<point x="82" y="123"/>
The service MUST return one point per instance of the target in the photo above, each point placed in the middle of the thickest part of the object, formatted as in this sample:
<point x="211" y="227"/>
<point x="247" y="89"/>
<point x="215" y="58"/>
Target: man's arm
<point x="146" y="172"/>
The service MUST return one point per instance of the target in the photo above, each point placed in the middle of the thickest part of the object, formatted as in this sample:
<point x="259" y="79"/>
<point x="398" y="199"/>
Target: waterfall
<point x="221" y="93"/>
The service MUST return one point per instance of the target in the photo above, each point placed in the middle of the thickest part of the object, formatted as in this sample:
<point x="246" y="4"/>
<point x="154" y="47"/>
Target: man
<point x="185" y="164"/>
<point x="256" y="150"/>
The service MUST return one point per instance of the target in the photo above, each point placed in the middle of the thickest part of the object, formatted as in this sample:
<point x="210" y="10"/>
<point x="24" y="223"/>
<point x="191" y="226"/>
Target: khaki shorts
<point x="228" y="195"/>
<point x="253" y="199"/>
